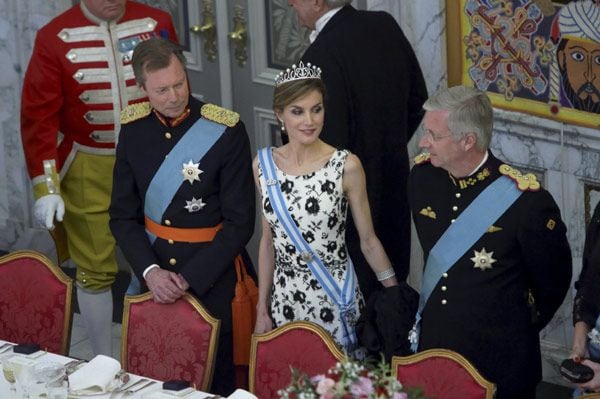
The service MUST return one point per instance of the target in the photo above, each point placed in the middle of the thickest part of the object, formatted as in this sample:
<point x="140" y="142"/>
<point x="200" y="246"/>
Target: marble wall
<point x="567" y="157"/>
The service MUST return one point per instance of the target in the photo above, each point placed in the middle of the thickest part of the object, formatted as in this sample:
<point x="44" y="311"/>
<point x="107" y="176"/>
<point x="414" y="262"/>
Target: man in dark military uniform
<point x="183" y="198"/>
<point x="498" y="262"/>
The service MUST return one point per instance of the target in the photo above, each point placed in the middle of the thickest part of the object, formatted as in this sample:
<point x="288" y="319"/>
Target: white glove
<point x="46" y="207"/>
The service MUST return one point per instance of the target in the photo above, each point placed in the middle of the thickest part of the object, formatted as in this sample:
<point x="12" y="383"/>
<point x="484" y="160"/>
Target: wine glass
<point x="46" y="376"/>
<point x="8" y="370"/>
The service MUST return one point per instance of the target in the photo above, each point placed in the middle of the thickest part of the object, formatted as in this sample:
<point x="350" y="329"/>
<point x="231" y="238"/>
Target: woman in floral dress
<point x="303" y="261"/>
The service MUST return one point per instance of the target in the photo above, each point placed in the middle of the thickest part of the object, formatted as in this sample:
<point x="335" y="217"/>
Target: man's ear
<point x="469" y="141"/>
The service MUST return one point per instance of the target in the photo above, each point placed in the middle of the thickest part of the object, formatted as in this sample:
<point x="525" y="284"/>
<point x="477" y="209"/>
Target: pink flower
<point x="399" y="395"/>
<point x="324" y="386"/>
<point x="363" y="386"/>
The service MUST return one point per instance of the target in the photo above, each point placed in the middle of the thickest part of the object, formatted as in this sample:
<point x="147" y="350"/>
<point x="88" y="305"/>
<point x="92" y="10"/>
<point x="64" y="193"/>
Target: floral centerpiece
<point x="349" y="380"/>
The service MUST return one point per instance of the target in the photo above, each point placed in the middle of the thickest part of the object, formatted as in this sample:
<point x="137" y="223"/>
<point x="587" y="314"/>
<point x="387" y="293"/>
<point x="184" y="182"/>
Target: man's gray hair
<point x="337" y="3"/>
<point x="470" y="112"/>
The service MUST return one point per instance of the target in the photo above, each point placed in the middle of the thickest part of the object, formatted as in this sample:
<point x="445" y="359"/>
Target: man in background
<point x="375" y="90"/>
<point x="78" y="80"/>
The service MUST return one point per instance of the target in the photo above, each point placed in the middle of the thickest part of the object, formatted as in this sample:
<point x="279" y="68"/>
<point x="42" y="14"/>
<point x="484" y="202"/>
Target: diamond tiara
<point x="298" y="72"/>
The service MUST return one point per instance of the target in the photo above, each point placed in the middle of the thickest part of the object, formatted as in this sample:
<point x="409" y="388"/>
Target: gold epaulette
<point x="525" y="182"/>
<point x="422" y="158"/>
<point x="136" y="111"/>
<point x="220" y="115"/>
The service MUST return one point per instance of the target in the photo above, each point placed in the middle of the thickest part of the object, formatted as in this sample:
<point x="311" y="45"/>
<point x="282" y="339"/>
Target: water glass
<point x="58" y="389"/>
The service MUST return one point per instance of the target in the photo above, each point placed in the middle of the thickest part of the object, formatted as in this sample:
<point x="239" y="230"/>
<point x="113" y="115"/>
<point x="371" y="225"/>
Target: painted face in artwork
<point x="167" y="89"/>
<point x="579" y="63"/>
<point x="106" y="10"/>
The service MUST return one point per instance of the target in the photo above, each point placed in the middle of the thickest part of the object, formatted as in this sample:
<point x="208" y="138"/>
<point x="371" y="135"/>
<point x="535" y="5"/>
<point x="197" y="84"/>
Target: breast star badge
<point x="191" y="171"/>
<point x="194" y="205"/>
<point x="483" y="260"/>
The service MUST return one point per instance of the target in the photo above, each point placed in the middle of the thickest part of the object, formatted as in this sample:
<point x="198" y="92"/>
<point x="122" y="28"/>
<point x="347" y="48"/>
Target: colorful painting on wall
<point x="534" y="56"/>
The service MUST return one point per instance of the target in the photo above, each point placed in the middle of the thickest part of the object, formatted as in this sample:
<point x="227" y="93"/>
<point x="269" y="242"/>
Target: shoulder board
<point x="525" y="182"/>
<point x="422" y="158"/>
<point x="220" y="115"/>
<point x="135" y="111"/>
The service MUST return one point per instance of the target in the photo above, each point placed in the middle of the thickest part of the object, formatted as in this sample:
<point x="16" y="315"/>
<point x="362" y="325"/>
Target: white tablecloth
<point x="5" y="392"/>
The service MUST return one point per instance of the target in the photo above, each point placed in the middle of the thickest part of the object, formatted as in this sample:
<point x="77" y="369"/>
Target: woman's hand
<point x="263" y="322"/>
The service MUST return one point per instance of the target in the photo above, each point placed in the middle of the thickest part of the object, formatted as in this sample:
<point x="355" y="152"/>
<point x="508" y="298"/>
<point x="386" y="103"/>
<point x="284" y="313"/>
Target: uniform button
<point x="444" y="301"/>
<point x="455" y="208"/>
<point x="457" y="195"/>
<point x="167" y="135"/>
<point x="171" y="241"/>
<point x="445" y="275"/>
<point x="168" y="222"/>
<point x="453" y="220"/>
<point x="83" y="273"/>
<point x="84" y="281"/>
<point x="172" y="261"/>
<point x="444" y="288"/>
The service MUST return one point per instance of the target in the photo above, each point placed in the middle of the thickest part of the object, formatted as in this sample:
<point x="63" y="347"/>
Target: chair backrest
<point x="590" y="396"/>
<point x="302" y="345"/>
<point x="35" y="301"/>
<point x="175" y="341"/>
<point x="442" y="373"/>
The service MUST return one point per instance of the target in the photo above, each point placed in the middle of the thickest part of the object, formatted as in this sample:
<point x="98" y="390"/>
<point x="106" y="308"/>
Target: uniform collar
<point x="321" y="22"/>
<point x="484" y="170"/>
<point x="172" y="122"/>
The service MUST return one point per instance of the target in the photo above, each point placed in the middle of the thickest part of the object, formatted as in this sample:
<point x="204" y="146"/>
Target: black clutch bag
<point x="576" y="372"/>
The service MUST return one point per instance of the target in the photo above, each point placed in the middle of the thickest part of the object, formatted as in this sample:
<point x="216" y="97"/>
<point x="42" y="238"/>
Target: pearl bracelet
<point x="387" y="273"/>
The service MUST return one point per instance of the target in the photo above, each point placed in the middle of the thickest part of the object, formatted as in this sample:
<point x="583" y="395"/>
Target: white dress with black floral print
<point x="317" y="204"/>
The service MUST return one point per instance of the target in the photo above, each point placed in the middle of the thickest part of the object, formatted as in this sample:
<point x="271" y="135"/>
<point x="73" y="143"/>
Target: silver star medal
<point x="191" y="171"/>
<point x="194" y="205"/>
<point x="483" y="260"/>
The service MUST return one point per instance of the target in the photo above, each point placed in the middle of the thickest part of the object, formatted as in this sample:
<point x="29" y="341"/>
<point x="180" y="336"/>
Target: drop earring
<point x="282" y="125"/>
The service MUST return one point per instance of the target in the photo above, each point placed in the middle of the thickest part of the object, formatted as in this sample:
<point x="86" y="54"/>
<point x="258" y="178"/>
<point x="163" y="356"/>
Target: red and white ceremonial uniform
<point x="78" y="81"/>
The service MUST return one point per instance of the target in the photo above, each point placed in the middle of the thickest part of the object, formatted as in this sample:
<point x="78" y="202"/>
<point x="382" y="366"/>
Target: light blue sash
<point x="168" y="178"/>
<point x="461" y="235"/>
<point x="343" y="296"/>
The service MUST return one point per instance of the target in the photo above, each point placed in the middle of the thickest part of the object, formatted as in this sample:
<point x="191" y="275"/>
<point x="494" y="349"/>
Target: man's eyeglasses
<point x="433" y="137"/>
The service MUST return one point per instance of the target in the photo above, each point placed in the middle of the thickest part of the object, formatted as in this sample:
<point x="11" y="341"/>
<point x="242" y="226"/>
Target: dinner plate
<point x="117" y="383"/>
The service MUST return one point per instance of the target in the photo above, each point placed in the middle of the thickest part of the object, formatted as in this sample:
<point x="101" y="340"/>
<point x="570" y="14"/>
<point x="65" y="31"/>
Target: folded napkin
<point x="97" y="376"/>
<point x="241" y="394"/>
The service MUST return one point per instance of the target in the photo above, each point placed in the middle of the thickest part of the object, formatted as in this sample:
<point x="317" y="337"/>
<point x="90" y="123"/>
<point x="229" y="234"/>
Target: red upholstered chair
<point x="300" y="344"/>
<point x="175" y="341"/>
<point x="442" y="373"/>
<point x="35" y="301"/>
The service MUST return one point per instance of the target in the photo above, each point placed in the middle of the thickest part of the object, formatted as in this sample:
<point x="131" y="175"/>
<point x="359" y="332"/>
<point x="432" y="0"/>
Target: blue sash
<point x="343" y="296"/>
<point x="194" y="144"/>
<point x="461" y="235"/>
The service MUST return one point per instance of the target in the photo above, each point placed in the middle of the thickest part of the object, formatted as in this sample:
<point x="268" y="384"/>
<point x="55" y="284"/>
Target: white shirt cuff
<point x="154" y="266"/>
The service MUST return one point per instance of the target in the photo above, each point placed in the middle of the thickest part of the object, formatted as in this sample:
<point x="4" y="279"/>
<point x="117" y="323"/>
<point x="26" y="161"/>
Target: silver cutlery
<point x="73" y="366"/>
<point x="133" y="388"/>
<point x="5" y="347"/>
<point x="125" y="387"/>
